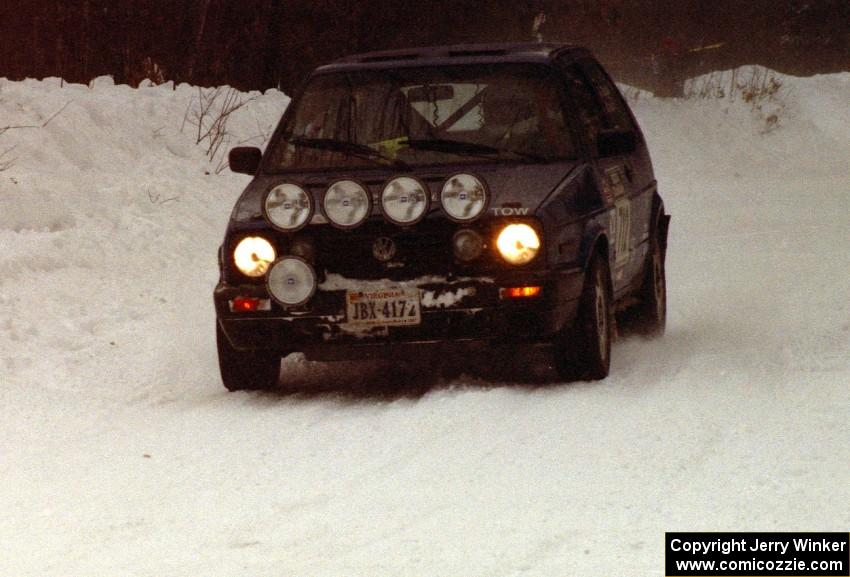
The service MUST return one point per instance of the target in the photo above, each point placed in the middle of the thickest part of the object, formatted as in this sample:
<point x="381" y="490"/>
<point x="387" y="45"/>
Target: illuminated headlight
<point x="288" y="207"/>
<point x="468" y="245"/>
<point x="463" y="197"/>
<point x="518" y="243"/>
<point x="347" y="204"/>
<point x="253" y="256"/>
<point x="291" y="281"/>
<point x="405" y="200"/>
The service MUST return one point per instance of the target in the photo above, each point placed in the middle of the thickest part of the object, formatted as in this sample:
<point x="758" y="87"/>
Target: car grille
<point x="425" y="248"/>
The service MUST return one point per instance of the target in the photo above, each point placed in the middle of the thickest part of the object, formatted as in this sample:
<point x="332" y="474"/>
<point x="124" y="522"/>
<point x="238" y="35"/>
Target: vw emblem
<point x="383" y="248"/>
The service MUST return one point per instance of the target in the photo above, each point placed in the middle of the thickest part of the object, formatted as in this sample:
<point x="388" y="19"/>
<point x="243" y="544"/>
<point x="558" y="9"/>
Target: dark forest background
<point x="256" y="44"/>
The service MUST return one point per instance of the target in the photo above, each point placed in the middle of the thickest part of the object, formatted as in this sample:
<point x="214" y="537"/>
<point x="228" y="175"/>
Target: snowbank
<point x="121" y="454"/>
<point x="110" y="217"/>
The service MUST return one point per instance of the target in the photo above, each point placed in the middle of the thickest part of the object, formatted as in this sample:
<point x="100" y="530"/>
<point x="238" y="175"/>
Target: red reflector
<point x="244" y="304"/>
<point x="521" y="292"/>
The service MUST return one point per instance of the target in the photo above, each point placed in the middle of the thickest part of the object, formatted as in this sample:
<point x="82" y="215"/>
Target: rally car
<point x="443" y="199"/>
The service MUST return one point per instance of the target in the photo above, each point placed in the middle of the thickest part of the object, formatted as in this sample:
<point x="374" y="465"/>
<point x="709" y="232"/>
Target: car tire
<point x="245" y="370"/>
<point x="651" y="313"/>
<point x="585" y="352"/>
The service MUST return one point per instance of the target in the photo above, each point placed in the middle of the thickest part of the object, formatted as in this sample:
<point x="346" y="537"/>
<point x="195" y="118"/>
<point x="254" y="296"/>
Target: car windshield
<point x="430" y="115"/>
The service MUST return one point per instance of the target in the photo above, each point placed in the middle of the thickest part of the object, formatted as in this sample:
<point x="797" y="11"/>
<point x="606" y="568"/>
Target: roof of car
<point x="453" y="54"/>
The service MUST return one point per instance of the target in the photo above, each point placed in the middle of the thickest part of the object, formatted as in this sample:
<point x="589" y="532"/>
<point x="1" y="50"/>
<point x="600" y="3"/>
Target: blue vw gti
<point x="440" y="199"/>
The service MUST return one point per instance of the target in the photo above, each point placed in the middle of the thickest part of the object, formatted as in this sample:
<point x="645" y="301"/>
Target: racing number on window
<point x="621" y="228"/>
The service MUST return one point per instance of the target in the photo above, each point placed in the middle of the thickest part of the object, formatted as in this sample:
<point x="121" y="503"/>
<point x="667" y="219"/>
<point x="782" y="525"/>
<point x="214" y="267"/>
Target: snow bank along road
<point x="121" y="454"/>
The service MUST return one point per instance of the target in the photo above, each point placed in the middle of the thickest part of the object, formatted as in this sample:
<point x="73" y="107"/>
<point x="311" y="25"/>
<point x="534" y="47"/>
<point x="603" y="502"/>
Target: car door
<point x="612" y="172"/>
<point x="632" y="168"/>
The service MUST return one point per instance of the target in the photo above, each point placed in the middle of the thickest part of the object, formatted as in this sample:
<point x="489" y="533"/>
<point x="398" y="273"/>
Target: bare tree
<point x="210" y="113"/>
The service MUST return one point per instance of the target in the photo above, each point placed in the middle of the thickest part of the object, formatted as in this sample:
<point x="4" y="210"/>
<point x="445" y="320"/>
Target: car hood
<point x="515" y="189"/>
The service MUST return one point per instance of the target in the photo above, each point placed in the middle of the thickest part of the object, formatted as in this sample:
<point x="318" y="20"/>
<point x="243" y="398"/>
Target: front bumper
<point x="481" y="316"/>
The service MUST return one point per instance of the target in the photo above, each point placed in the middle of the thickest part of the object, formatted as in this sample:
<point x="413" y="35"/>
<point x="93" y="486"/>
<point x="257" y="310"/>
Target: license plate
<point x="385" y="307"/>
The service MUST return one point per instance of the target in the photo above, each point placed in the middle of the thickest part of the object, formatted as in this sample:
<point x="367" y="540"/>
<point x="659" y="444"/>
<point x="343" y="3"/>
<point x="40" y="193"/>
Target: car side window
<point x="588" y="110"/>
<point x="615" y="109"/>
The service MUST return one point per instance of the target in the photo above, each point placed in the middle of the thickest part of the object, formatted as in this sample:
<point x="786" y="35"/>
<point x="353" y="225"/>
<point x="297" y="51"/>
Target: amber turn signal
<point x="520" y="292"/>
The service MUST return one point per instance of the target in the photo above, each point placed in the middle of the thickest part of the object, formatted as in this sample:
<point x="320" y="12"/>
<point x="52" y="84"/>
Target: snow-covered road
<point x="121" y="454"/>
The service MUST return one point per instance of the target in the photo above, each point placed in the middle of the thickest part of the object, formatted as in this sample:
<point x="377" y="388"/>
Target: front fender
<point x="595" y="236"/>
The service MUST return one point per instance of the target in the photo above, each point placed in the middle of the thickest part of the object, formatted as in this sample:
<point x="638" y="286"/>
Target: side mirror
<point x="615" y="143"/>
<point x="244" y="159"/>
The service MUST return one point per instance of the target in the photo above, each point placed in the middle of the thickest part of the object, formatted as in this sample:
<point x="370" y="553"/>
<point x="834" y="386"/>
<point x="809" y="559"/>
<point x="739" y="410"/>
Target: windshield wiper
<point x="352" y="148"/>
<point x="470" y="148"/>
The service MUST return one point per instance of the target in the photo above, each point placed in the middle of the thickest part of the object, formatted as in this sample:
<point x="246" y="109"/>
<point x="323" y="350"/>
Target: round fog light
<point x="291" y="281"/>
<point x="347" y="204"/>
<point x="464" y="197"/>
<point x="288" y="207"/>
<point x="468" y="245"/>
<point x="405" y="200"/>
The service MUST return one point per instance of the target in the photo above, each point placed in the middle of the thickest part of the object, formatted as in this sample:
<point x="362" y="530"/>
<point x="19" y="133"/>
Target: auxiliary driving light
<point x="347" y="204"/>
<point x="518" y="243"/>
<point x="405" y="200"/>
<point x="288" y="207"/>
<point x="463" y="197"/>
<point x="253" y="256"/>
<point x="291" y="281"/>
